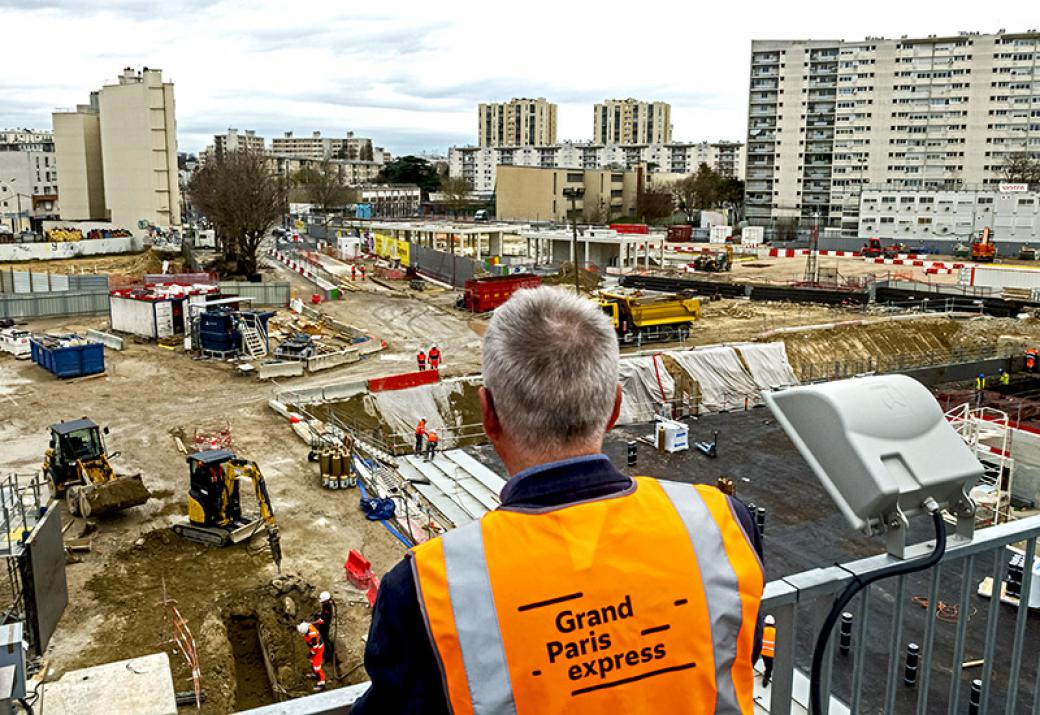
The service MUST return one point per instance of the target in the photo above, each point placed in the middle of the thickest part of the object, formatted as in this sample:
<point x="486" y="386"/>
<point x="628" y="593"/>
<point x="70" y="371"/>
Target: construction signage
<point x="392" y="249"/>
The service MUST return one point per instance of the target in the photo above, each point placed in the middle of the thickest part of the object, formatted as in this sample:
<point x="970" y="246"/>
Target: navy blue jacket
<point x="400" y="659"/>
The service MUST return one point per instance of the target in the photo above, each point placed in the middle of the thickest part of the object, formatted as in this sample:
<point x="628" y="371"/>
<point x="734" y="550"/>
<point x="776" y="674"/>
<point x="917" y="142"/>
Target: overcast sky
<point x="410" y="74"/>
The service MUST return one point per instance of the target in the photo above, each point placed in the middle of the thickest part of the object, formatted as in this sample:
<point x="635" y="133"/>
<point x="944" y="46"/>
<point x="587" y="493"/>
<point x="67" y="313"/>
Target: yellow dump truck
<point x="640" y="318"/>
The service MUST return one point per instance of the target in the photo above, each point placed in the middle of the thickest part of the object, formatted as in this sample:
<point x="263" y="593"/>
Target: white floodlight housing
<point x="882" y="447"/>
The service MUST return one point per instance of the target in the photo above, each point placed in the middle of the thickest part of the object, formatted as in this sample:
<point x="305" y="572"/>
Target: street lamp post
<point x="574" y="194"/>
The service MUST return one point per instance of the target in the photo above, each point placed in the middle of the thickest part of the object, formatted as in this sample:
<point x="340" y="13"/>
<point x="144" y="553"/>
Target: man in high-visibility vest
<point x="421" y="359"/>
<point x="587" y="591"/>
<point x="431" y="444"/>
<point x="435" y="357"/>
<point x="420" y="432"/>
<point x="1005" y="378"/>
<point x="316" y="653"/>
<point x="768" y="649"/>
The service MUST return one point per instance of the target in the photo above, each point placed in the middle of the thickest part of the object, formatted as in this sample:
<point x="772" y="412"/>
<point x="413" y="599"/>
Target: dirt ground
<point x="115" y="608"/>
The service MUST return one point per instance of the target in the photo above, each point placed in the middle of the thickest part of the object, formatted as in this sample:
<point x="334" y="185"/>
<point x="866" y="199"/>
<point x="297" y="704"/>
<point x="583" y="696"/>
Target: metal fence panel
<point x="271" y="293"/>
<point x="443" y="266"/>
<point x="54" y="304"/>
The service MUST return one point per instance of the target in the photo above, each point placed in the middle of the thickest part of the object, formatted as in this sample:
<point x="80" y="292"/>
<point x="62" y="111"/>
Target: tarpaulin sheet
<point x="402" y="409"/>
<point x="722" y="379"/>
<point x="640" y="391"/>
<point x="768" y="365"/>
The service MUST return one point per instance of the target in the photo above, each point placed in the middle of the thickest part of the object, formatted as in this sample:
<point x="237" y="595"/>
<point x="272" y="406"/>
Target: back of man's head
<point x="550" y="362"/>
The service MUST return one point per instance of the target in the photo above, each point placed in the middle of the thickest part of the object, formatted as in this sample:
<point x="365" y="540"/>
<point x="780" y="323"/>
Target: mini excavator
<point x="214" y="504"/>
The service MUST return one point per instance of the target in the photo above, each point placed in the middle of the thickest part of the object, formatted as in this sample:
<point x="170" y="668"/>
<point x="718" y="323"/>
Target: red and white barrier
<point x="917" y="263"/>
<point x="800" y="252"/>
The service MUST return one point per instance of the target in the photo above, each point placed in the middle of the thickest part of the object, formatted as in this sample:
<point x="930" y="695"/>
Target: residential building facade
<point x="479" y="165"/>
<point x="355" y="173"/>
<point x="930" y="215"/>
<point x="827" y="117"/>
<point x="233" y="140"/>
<point x="631" y="121"/>
<point x="120" y="153"/>
<point x="28" y="177"/>
<point x="392" y="200"/>
<point x="528" y="193"/>
<point x="518" y="122"/>
<point x="318" y="147"/>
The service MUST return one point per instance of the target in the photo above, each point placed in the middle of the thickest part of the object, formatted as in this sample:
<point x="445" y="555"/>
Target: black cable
<point x="855" y="586"/>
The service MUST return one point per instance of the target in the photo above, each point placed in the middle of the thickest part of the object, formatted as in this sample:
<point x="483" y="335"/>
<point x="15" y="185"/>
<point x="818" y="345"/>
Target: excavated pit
<point x="252" y="684"/>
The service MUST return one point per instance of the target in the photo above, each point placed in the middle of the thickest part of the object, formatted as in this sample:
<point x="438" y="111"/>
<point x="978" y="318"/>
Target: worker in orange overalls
<point x="362" y="273"/>
<point x="317" y="651"/>
<point x="435" y="357"/>
<point x="431" y="444"/>
<point x="768" y="649"/>
<point x="420" y="432"/>
<point x="1031" y="356"/>
<point x="421" y="358"/>
<point x="353" y="273"/>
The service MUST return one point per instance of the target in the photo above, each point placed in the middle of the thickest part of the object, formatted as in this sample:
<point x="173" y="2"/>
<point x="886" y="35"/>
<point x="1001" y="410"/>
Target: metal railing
<point x="869" y="676"/>
<point x="898" y="362"/>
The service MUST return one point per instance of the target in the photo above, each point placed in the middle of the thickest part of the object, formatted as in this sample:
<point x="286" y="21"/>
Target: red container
<point x="630" y="228"/>
<point x="483" y="294"/>
<point x="680" y="234"/>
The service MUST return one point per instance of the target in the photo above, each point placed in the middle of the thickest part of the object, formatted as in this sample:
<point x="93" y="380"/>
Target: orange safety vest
<point x="421" y="429"/>
<point x="313" y="639"/>
<point x="562" y="610"/>
<point x="421" y="357"/>
<point x="769" y="641"/>
<point x="435" y="355"/>
<point x="431" y="437"/>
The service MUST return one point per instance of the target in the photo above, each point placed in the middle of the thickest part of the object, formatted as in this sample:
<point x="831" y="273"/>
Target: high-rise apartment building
<point x="631" y="121"/>
<point x="518" y="122"/>
<point x="120" y="154"/>
<point x="234" y="140"/>
<point x="826" y="117"/>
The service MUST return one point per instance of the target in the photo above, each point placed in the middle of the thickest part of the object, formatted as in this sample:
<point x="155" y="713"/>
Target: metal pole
<point x="574" y="242"/>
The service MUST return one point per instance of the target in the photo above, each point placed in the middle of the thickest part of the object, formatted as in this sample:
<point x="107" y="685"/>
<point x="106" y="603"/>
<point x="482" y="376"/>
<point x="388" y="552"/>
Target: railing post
<point x="782" y="687"/>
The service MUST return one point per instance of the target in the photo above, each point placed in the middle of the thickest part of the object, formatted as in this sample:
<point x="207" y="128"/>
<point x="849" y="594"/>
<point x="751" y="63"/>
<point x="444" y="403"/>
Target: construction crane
<point x="78" y="466"/>
<point x="214" y="504"/>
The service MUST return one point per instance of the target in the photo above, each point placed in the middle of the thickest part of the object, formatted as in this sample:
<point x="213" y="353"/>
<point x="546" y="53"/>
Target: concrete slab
<point x="142" y="686"/>
<point x="268" y="370"/>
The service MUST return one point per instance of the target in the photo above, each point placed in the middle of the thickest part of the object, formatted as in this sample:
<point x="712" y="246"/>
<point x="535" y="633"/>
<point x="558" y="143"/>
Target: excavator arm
<point x="243" y="468"/>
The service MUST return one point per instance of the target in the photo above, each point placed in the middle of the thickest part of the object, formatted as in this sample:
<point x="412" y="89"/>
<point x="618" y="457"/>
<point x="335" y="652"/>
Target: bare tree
<point x="325" y="185"/>
<point x="243" y="199"/>
<point x="1022" y="168"/>
<point x="456" y="192"/>
<point x="685" y="192"/>
<point x="654" y="205"/>
<point x="595" y="212"/>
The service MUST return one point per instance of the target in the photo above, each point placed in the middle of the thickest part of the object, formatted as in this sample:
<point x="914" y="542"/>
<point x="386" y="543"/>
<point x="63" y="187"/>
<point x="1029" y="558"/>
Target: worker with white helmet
<point x="314" y="642"/>
<point x="768" y="649"/>
<point x="323" y="622"/>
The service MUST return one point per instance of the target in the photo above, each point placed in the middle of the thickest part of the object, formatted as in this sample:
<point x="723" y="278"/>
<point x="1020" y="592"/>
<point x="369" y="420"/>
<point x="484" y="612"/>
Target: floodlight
<point x="884" y="452"/>
<point x="882" y="448"/>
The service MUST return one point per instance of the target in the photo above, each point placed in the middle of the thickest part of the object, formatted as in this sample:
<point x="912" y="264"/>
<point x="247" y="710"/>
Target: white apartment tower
<point x="119" y="154"/>
<point x="631" y="121"/>
<point x="518" y="122"/>
<point x="235" y="140"/>
<point x="826" y="117"/>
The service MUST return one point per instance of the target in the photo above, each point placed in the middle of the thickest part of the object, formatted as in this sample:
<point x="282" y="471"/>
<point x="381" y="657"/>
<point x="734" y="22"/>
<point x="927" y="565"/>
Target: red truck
<point x="873" y="249"/>
<point x="483" y="294"/>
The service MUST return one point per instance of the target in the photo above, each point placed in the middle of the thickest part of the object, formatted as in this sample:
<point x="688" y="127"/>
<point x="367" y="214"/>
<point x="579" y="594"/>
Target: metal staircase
<point x="254" y="341"/>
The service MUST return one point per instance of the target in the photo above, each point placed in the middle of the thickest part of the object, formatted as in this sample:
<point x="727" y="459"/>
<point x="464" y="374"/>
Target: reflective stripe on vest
<point x="563" y="610"/>
<point x="769" y="641"/>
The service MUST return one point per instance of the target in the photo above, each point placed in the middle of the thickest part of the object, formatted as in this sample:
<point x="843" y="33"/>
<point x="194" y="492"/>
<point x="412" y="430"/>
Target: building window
<point x="575" y="177"/>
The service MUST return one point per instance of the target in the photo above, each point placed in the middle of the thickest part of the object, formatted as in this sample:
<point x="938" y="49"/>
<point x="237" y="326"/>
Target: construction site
<point x="191" y="461"/>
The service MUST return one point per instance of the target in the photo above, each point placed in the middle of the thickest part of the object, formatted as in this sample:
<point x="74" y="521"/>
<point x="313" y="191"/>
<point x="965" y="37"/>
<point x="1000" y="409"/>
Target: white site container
<point x="719" y="234"/>
<point x="16" y="342"/>
<point x="752" y="236"/>
<point x="1000" y="277"/>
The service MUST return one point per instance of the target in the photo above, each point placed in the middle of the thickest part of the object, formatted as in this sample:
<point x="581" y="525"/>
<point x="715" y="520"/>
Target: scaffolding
<point x="989" y="434"/>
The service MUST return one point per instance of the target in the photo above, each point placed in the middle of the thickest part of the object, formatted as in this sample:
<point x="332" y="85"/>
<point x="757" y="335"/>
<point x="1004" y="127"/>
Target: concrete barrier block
<point x="330" y="360"/>
<point x="268" y="370"/>
<point x="106" y="339"/>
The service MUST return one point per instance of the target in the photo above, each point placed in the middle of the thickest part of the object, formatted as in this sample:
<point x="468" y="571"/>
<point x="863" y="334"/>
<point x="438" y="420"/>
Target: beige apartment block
<point x="631" y="121"/>
<point x="127" y="136"/>
<point x="318" y="147"/>
<point x="518" y="122"/>
<point x="234" y="140"/>
<point x="527" y="193"/>
<point x="77" y="149"/>
<point x="828" y="117"/>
